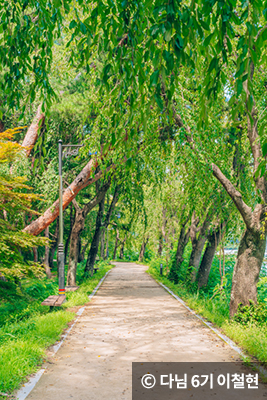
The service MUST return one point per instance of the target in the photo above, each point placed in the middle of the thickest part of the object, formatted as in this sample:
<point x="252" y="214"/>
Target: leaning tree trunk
<point x="32" y="132"/>
<point x="179" y="255"/>
<point x="89" y="269"/>
<point x="198" y="244"/>
<point x="182" y="242"/>
<point x="206" y="262"/>
<point x="46" y="259"/>
<point x="251" y="248"/>
<point x="247" y="269"/>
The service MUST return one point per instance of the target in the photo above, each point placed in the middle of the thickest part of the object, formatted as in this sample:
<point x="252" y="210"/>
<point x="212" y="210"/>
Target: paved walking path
<point x="130" y="319"/>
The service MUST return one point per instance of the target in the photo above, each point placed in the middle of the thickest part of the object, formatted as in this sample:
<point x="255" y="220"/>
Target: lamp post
<point x="61" y="257"/>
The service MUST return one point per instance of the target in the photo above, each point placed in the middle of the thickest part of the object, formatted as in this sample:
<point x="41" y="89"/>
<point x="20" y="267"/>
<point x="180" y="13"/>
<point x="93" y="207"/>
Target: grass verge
<point x="251" y="337"/>
<point x="31" y="329"/>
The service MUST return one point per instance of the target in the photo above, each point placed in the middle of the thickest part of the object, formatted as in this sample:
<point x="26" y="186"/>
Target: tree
<point x="16" y="199"/>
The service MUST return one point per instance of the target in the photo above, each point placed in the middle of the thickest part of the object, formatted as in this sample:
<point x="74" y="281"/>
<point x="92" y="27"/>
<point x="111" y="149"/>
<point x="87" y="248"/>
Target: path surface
<point x="130" y="319"/>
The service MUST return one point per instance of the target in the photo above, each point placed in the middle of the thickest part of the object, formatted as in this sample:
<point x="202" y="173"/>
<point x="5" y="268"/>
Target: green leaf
<point x="83" y="28"/>
<point x="73" y="24"/>
<point x="264" y="149"/>
<point x="239" y="87"/>
<point x="168" y="35"/>
<point x="213" y="64"/>
<point x="154" y="78"/>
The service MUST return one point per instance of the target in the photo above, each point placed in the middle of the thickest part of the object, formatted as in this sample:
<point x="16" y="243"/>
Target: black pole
<point x="161" y="269"/>
<point x="61" y="257"/>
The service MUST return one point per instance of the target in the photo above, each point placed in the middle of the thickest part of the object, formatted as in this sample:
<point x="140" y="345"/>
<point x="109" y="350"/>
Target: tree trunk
<point x="35" y="254"/>
<point x="74" y="242"/>
<point x="77" y="228"/>
<point x="122" y="248"/>
<point x="102" y="244"/>
<point x="116" y="244"/>
<point x="46" y="259"/>
<point x="251" y="248"/>
<point x="198" y="243"/>
<point x="160" y="248"/>
<point x="247" y="269"/>
<point x="84" y="250"/>
<point x="89" y="269"/>
<point x="206" y="262"/>
<point x="143" y="249"/>
<point x="107" y="250"/>
<point x="80" y="250"/>
<point x="182" y="242"/>
<point x="80" y="182"/>
<point x="2" y="126"/>
<point x="32" y="132"/>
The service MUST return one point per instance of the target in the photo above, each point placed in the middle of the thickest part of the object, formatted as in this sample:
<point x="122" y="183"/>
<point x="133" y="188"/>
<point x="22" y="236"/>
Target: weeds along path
<point x="131" y="318"/>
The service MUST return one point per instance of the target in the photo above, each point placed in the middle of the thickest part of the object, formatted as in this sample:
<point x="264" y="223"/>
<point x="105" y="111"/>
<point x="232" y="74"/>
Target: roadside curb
<point x="209" y="324"/>
<point x="22" y="393"/>
<point x="225" y="338"/>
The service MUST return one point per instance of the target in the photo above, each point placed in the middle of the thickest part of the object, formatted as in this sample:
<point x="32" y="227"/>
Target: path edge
<point x="23" y="392"/>
<point x="225" y="338"/>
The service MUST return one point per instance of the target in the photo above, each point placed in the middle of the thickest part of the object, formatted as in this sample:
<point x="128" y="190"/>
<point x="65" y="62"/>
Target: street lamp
<point x="61" y="257"/>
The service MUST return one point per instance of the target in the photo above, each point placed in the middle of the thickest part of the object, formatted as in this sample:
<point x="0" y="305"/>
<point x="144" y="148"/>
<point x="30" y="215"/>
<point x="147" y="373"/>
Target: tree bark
<point x="143" y="249"/>
<point x="251" y="248"/>
<point x="102" y="244"/>
<point x="206" y="262"/>
<point x="116" y="244"/>
<point x="32" y="132"/>
<point x="84" y="250"/>
<point x="80" y="182"/>
<point x="162" y="234"/>
<point x="89" y="269"/>
<point x="182" y="242"/>
<point x="198" y="243"/>
<point x="107" y="249"/>
<point x="46" y="259"/>
<point x="77" y="228"/>
<point x="35" y="254"/>
<point x="122" y="247"/>
<point x="247" y="269"/>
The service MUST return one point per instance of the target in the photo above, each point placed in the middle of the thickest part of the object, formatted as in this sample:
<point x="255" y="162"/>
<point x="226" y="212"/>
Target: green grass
<point x="252" y="337"/>
<point x="27" y="328"/>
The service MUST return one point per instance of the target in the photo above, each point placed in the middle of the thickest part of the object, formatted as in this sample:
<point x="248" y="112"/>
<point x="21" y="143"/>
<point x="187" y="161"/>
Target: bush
<point x="253" y="313"/>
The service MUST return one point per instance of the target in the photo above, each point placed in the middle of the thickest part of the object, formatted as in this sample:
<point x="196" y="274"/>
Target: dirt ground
<point x="131" y="318"/>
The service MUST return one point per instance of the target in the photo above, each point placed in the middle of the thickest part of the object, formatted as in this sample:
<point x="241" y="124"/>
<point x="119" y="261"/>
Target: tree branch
<point x="235" y="195"/>
<point x="96" y="200"/>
